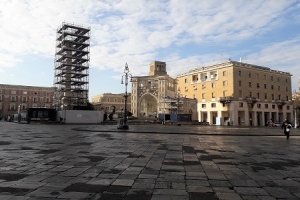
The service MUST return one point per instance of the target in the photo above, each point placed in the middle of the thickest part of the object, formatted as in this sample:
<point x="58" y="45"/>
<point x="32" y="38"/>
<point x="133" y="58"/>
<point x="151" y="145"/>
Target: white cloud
<point x="135" y="31"/>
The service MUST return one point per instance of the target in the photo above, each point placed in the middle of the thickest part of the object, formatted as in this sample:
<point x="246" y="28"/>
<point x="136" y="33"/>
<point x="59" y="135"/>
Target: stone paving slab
<point x="147" y="162"/>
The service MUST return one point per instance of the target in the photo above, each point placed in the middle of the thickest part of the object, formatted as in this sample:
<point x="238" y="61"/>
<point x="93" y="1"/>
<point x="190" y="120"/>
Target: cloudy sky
<point x="184" y="34"/>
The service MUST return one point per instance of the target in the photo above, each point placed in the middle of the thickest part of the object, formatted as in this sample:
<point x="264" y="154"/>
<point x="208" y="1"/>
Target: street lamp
<point x="295" y="97"/>
<point x="123" y="123"/>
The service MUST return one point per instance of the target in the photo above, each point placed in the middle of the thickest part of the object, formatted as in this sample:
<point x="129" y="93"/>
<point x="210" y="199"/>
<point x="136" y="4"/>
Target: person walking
<point x="286" y="126"/>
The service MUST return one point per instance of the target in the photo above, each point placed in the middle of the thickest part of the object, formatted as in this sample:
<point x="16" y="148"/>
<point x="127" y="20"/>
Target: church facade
<point x="158" y="93"/>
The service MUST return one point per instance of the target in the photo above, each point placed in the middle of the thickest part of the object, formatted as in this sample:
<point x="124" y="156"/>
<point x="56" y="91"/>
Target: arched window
<point x="108" y="99"/>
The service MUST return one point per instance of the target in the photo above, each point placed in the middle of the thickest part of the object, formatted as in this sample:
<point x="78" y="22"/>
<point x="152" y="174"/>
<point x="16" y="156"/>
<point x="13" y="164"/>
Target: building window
<point x="241" y="104"/>
<point x="213" y="105"/>
<point x="250" y="94"/>
<point x="257" y="85"/>
<point x="240" y="94"/>
<point x="257" y="76"/>
<point x="224" y="73"/>
<point x="265" y="77"/>
<point x="288" y="107"/>
<point x="279" y="88"/>
<point x="265" y="86"/>
<point x="225" y="83"/>
<point x="195" y="78"/>
<point x="115" y="100"/>
<point x="249" y="84"/>
<point x="249" y="74"/>
<point x="13" y="99"/>
<point x="271" y="78"/>
<point x="194" y="96"/>
<point x="266" y="95"/>
<point x="213" y="85"/>
<point x="273" y="97"/>
<point x="258" y="95"/>
<point x="34" y="100"/>
<point x="224" y="93"/>
<point x="185" y="80"/>
<point x="278" y="79"/>
<point x="203" y="105"/>
<point x="258" y="105"/>
<point x="266" y="106"/>
<point x="240" y="83"/>
<point x="213" y="95"/>
<point x="279" y="97"/>
<point x="240" y="73"/>
<point x="273" y="106"/>
<point x="272" y="87"/>
<point x="203" y="86"/>
<point x="108" y="100"/>
<point x="47" y="100"/>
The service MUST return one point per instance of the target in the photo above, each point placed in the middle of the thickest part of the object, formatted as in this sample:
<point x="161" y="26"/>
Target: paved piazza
<point x="156" y="162"/>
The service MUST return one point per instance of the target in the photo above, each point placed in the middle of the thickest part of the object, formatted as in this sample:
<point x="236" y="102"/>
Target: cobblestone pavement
<point x="147" y="162"/>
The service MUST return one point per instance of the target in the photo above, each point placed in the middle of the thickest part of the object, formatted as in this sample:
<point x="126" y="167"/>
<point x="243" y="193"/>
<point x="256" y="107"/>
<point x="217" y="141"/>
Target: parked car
<point x="277" y="124"/>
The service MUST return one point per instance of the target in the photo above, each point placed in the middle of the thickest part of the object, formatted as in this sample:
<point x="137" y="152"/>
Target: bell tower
<point x="158" y="68"/>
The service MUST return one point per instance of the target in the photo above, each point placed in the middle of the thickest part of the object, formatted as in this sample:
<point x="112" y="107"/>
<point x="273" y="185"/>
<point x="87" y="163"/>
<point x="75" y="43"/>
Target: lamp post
<point x="295" y="117"/>
<point x="123" y="123"/>
<point x="295" y="97"/>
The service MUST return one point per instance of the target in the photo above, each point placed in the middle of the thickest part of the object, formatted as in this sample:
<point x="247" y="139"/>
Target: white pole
<point x="164" y="110"/>
<point x="295" y="117"/>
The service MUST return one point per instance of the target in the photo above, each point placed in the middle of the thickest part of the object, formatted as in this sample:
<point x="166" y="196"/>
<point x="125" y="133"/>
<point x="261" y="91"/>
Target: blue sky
<point x="184" y="34"/>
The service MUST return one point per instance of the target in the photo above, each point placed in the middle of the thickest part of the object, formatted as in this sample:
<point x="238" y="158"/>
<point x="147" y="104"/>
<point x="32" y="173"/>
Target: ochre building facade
<point x="236" y="93"/>
<point x="14" y="98"/>
<point x="109" y="101"/>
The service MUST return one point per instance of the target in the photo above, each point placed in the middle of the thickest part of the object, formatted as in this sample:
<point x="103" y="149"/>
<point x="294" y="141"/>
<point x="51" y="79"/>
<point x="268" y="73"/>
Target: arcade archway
<point x="148" y="106"/>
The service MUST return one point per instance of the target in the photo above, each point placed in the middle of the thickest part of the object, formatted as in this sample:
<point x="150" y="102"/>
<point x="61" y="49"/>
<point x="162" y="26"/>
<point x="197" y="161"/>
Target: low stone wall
<point x="80" y="116"/>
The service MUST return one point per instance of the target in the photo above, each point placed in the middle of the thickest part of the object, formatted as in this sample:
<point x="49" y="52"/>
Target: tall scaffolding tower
<point x="71" y="76"/>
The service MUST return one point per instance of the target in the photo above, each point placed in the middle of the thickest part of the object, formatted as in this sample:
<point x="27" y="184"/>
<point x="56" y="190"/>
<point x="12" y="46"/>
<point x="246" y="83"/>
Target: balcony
<point x="225" y="100"/>
<point x="280" y="102"/>
<point x="251" y="100"/>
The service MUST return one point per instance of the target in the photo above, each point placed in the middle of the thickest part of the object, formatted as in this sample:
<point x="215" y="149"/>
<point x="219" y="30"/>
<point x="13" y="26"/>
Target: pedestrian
<point x="271" y="123"/>
<point x="286" y="126"/>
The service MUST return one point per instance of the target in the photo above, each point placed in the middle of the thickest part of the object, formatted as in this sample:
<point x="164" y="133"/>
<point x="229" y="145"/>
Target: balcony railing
<point x="251" y="100"/>
<point x="280" y="102"/>
<point x="225" y="100"/>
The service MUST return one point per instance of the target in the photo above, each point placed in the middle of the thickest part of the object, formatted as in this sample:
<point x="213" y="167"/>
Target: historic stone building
<point x="109" y="101"/>
<point x="236" y="93"/>
<point x="158" y="93"/>
<point x="14" y="98"/>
